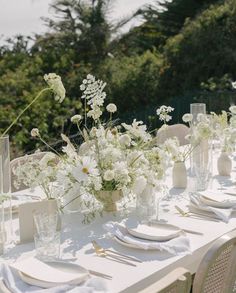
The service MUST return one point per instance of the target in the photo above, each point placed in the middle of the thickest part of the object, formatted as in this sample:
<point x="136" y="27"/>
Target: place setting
<point x="149" y="236"/>
<point x="213" y="203"/>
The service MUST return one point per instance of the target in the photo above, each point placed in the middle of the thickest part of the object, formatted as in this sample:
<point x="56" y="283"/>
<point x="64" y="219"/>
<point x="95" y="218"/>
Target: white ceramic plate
<point x="156" y="232"/>
<point x="62" y="266"/>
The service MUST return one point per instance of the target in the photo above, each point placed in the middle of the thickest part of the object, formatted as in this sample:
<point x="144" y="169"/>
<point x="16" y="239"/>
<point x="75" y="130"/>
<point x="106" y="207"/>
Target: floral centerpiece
<point x="113" y="161"/>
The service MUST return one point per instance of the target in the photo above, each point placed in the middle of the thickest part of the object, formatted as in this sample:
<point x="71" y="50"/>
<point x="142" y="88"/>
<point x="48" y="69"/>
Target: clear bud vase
<point x="5" y="190"/>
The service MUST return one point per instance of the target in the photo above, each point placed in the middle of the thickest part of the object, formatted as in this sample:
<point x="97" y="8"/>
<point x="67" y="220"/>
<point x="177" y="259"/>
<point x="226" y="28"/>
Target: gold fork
<point x="100" y="251"/>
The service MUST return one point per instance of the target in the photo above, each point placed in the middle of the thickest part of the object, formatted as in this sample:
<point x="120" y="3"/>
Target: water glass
<point x="203" y="165"/>
<point x="45" y="221"/>
<point x="47" y="245"/>
<point x="147" y="204"/>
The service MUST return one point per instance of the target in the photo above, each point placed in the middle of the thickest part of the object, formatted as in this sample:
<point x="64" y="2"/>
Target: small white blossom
<point x="109" y="175"/>
<point x="111" y="108"/>
<point x="76" y="118"/>
<point x="125" y="140"/>
<point x="54" y="81"/>
<point x="234" y="84"/>
<point x="232" y="109"/>
<point x="35" y="132"/>
<point x="163" y="113"/>
<point x="187" y="117"/>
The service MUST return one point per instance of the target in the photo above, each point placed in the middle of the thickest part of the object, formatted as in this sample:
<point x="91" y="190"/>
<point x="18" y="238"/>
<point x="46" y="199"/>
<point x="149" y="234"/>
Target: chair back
<point x="176" y="130"/>
<point x="217" y="270"/>
<point x="21" y="161"/>
<point x="177" y="281"/>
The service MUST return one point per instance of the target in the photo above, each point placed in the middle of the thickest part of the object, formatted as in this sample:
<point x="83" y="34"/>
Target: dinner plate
<point x="80" y="272"/>
<point x="156" y="232"/>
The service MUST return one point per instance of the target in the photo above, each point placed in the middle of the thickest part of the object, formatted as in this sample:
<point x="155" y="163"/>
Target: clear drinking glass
<point x="147" y="204"/>
<point x="203" y="165"/>
<point x="47" y="245"/>
<point x="45" y="221"/>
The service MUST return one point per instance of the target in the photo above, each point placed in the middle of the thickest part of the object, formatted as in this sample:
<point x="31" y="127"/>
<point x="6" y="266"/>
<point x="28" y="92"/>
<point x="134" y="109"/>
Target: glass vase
<point x="5" y="188"/>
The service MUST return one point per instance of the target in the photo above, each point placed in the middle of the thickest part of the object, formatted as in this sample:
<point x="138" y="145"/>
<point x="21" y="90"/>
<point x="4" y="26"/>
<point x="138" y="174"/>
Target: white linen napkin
<point x="177" y="246"/>
<point x="16" y="285"/>
<point x="196" y="203"/>
<point x="219" y="197"/>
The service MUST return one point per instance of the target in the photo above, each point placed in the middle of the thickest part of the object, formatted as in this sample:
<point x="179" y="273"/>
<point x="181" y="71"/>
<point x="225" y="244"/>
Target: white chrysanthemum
<point x="54" y="81"/>
<point x="76" y="118"/>
<point x="84" y="168"/>
<point x="34" y="132"/>
<point x="187" y="117"/>
<point x="111" y="108"/>
<point x="125" y="140"/>
<point x="109" y="175"/>
<point x="232" y="109"/>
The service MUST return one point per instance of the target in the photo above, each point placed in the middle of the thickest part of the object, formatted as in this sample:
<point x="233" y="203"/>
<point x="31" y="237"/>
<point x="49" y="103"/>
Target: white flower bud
<point x="76" y="118"/>
<point x="109" y="175"/>
<point x="34" y="132"/>
<point x="111" y="108"/>
<point x="187" y="117"/>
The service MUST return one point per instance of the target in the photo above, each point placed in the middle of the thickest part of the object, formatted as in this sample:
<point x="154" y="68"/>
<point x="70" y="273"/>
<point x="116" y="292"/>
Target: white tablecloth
<point x="76" y="243"/>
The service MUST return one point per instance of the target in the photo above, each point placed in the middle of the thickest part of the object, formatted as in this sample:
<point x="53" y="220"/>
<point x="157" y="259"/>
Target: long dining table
<point x="76" y="240"/>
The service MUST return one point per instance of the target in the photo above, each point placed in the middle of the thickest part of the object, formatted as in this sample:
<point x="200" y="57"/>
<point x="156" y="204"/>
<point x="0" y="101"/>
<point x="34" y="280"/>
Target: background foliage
<point x="185" y="51"/>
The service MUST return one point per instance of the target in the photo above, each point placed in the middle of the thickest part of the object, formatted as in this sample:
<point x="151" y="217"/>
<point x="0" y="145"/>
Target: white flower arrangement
<point x="224" y="129"/>
<point x="111" y="158"/>
<point x="201" y="131"/>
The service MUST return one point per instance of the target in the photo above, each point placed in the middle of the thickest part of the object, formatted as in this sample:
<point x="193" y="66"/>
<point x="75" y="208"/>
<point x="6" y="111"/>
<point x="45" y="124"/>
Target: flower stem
<point x="51" y="148"/>
<point x="23" y="111"/>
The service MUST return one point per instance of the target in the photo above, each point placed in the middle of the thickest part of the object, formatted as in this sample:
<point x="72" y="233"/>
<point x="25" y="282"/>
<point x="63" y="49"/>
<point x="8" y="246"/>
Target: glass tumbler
<point x="45" y="221"/>
<point x="47" y="245"/>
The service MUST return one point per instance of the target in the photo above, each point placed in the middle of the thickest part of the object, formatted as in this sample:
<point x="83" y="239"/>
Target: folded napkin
<point x="177" y="246"/>
<point x="218" y="197"/>
<point x="16" y="285"/>
<point x="221" y="213"/>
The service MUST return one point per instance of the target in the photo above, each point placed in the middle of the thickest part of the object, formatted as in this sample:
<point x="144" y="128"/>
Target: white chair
<point x="178" y="130"/>
<point x="21" y="160"/>
<point x="217" y="270"/>
<point x="177" y="281"/>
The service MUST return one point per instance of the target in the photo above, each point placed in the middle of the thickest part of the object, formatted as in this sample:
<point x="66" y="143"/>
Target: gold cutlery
<point x="196" y="215"/>
<point x="100" y="251"/>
